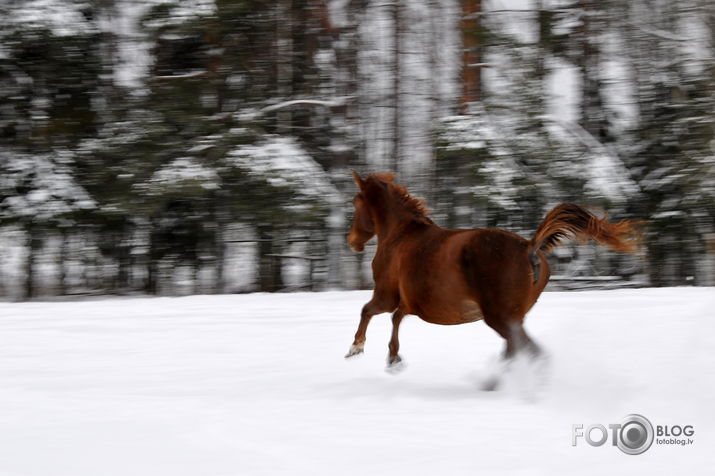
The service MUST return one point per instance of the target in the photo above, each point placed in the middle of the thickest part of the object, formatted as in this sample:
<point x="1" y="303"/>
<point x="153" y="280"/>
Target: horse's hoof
<point x="355" y="349"/>
<point x="490" y="384"/>
<point x="395" y="365"/>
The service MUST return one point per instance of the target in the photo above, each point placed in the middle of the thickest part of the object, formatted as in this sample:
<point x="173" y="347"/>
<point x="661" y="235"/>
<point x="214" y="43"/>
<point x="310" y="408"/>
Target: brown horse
<point x="459" y="276"/>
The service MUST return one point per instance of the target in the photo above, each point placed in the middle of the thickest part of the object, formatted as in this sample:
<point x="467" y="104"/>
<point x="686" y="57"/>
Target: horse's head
<point x="382" y="202"/>
<point x="363" y="226"/>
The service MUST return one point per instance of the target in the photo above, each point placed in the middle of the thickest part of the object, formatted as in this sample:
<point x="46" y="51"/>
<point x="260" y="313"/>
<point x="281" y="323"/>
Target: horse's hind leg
<point x="517" y="342"/>
<point x="520" y="341"/>
<point x="512" y="330"/>
<point x="394" y="361"/>
<point x="358" y="346"/>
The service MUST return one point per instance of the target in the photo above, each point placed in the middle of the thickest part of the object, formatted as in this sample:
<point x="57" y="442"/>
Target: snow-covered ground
<point x="257" y="384"/>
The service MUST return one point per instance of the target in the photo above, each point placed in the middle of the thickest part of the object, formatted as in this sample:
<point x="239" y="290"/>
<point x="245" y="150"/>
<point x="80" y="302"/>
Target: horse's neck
<point x="392" y="226"/>
<point x="386" y="223"/>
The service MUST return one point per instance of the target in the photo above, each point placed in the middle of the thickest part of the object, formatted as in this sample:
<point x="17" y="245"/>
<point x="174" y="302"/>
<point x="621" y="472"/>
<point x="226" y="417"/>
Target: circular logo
<point x="636" y="434"/>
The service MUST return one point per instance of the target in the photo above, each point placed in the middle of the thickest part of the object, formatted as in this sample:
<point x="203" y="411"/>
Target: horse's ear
<point x="358" y="180"/>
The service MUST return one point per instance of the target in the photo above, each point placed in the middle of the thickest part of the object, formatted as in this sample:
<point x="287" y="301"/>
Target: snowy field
<point x="257" y="384"/>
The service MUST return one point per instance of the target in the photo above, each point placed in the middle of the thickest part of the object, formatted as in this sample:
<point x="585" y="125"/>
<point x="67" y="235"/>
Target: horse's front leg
<point x="394" y="361"/>
<point x="358" y="346"/>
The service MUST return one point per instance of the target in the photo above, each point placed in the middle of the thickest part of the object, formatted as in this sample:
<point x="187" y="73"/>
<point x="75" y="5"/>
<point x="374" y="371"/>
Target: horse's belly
<point x="466" y="311"/>
<point x="471" y="311"/>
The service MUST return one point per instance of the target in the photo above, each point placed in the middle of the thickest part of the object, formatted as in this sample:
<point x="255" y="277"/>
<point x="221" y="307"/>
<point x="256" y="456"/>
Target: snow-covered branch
<point x="330" y="104"/>
<point x="192" y="75"/>
<point x="607" y="174"/>
<point x="662" y="34"/>
<point x="483" y="13"/>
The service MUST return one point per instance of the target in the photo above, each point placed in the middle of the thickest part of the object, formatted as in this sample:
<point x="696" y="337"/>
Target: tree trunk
<point x="62" y="262"/>
<point x="284" y="61"/>
<point x="394" y="159"/>
<point x="471" y="54"/>
<point x="123" y="262"/>
<point x="593" y="118"/>
<point x="33" y="245"/>
<point x="269" y="265"/>
<point x="152" y="263"/>
<point x="336" y="243"/>
<point x="435" y="99"/>
<point x="221" y="218"/>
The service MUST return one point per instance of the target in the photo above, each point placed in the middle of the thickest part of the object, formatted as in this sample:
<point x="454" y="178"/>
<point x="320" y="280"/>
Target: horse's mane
<point x="412" y="205"/>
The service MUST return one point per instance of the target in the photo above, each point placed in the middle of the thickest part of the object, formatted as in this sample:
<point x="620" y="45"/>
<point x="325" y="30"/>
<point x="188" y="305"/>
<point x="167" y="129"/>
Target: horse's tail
<point x="575" y="222"/>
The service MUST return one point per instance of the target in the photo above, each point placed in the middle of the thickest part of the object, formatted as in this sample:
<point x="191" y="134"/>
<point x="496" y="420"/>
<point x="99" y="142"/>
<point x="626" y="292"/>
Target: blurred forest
<point x="202" y="146"/>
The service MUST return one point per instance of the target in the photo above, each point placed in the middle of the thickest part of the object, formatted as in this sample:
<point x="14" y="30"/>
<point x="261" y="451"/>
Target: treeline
<point x="205" y="145"/>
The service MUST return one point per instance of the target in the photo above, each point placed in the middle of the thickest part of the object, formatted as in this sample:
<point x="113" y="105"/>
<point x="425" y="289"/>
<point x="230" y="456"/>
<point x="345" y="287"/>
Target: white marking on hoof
<point x="355" y="349"/>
